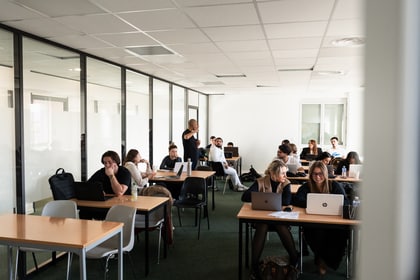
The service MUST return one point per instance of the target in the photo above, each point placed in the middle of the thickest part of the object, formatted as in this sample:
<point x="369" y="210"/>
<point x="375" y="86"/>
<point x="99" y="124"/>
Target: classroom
<point x="72" y="86"/>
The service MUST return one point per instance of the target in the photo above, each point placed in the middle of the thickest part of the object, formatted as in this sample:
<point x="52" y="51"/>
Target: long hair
<point x="312" y="185"/>
<point x="274" y="167"/>
<point x="353" y="155"/>
<point x="131" y="155"/>
<point x="314" y="148"/>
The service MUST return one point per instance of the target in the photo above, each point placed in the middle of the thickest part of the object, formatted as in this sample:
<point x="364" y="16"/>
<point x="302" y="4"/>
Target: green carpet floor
<point x="214" y="256"/>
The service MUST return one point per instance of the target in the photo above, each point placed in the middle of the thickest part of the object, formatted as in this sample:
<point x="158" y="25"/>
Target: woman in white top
<point x="131" y="161"/>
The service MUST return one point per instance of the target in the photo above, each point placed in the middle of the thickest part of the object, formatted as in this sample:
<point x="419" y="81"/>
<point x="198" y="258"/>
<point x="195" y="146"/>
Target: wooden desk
<point x="338" y="179"/>
<point x="161" y="177"/>
<point x="144" y="205"/>
<point x="247" y="215"/>
<point x="58" y="234"/>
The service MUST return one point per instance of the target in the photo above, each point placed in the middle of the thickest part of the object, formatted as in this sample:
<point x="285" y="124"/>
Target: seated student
<point x="217" y="155"/>
<point x="230" y="144"/>
<point x="115" y="180"/>
<point x="336" y="151"/>
<point x="328" y="245"/>
<point x="325" y="157"/>
<point x="310" y="152"/>
<point x="131" y="161"/>
<point x="274" y="180"/>
<point x="283" y="154"/>
<point x="168" y="162"/>
<point x="352" y="158"/>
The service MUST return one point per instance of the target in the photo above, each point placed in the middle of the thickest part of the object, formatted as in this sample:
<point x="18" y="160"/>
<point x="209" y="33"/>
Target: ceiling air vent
<point x="150" y="50"/>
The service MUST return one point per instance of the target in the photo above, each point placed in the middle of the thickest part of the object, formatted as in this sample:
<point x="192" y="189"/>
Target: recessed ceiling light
<point x="230" y="75"/>
<point x="348" y="42"/>
<point x="75" y="69"/>
<point x="329" y="73"/>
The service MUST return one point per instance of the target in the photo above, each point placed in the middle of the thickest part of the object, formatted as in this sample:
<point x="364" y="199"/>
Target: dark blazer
<point x="305" y="154"/>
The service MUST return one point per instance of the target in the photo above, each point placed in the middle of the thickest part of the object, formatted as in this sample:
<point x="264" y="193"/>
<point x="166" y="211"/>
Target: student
<point x="325" y="157"/>
<point x="230" y="144"/>
<point x="352" y="158"/>
<point x="131" y="161"/>
<point x="328" y="245"/>
<point x="217" y="155"/>
<point x="283" y="153"/>
<point x="310" y="152"/>
<point x="336" y="151"/>
<point x="168" y="162"/>
<point x="191" y="143"/>
<point x="274" y="180"/>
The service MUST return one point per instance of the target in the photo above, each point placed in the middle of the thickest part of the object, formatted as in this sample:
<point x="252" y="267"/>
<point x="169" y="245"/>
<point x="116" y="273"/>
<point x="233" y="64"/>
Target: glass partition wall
<point x="7" y="140"/>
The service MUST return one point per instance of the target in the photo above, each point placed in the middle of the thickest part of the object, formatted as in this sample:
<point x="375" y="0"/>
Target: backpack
<point x="277" y="268"/>
<point x="250" y="176"/>
<point x="62" y="185"/>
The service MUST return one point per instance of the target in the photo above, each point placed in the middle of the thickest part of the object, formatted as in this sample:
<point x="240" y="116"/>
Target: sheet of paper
<point x="285" y="215"/>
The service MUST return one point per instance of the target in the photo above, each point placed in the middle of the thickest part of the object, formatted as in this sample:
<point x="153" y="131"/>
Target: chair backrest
<point x="124" y="214"/>
<point x="217" y="167"/>
<point x="194" y="188"/>
<point x="206" y="168"/>
<point x="60" y="209"/>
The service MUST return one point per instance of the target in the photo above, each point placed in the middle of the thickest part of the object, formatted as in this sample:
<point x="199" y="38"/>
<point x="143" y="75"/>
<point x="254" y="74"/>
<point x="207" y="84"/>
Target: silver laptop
<point x="355" y="170"/>
<point x="178" y="174"/>
<point x="292" y="168"/>
<point x="178" y="166"/>
<point x="266" y="201"/>
<point x="324" y="204"/>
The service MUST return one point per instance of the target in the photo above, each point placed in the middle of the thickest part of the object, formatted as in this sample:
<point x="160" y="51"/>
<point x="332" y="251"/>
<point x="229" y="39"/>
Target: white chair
<point x="109" y="248"/>
<point x="57" y="209"/>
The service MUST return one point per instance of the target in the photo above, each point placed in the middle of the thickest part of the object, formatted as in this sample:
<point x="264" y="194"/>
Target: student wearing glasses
<point x="328" y="245"/>
<point x="274" y="180"/>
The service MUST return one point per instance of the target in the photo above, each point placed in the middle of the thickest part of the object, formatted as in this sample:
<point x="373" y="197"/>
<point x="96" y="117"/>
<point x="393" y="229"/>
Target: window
<point x="323" y="121"/>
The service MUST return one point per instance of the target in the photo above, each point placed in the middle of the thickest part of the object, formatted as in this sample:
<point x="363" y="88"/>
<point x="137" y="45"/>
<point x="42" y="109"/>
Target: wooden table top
<point x="160" y="175"/>
<point x="72" y="233"/>
<point x="338" y="178"/>
<point x="143" y="203"/>
<point x="246" y="212"/>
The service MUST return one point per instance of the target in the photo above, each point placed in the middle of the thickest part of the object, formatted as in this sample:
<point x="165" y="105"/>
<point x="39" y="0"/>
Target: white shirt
<point x="337" y="152"/>
<point x="216" y="154"/>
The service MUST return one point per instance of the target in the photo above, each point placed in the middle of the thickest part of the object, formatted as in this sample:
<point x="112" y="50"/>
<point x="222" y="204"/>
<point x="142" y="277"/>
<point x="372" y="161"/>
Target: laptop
<point x="228" y="155"/>
<point x="178" y="174"/>
<point x="324" y="204"/>
<point x="233" y="150"/>
<point x="268" y="201"/>
<point x="90" y="191"/>
<point x="292" y="168"/>
<point x="355" y="170"/>
<point x="178" y="165"/>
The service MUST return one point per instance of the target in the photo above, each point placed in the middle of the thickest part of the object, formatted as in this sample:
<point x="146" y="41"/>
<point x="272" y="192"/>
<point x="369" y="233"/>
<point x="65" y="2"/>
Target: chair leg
<point x="179" y="217"/>
<point x="17" y="261"/>
<point x="208" y="219"/>
<point x="160" y="239"/>
<point x="106" y="266"/>
<point x="224" y="188"/>
<point x="69" y="260"/>
<point x="199" y="224"/>
<point x="35" y="262"/>
<point x="196" y="217"/>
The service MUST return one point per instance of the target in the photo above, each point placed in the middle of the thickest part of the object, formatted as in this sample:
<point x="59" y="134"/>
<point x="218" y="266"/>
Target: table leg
<point x="146" y="245"/>
<point x="212" y="194"/>
<point x="82" y="264"/>
<point x="240" y="251"/>
<point x="9" y="262"/>
<point x="165" y="232"/>
<point x="120" y="255"/>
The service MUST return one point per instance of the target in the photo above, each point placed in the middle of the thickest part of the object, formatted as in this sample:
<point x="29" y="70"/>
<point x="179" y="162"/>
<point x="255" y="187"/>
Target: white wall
<point x="257" y="125"/>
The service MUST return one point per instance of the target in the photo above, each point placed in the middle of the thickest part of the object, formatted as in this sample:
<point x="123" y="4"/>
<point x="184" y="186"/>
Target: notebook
<point x="90" y="191"/>
<point x="324" y="204"/>
<point x="178" y="165"/>
<point x="266" y="201"/>
<point x="178" y="174"/>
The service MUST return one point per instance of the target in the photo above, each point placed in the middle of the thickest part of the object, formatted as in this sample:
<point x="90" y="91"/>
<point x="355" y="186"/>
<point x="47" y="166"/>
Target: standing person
<point x="168" y="162"/>
<point x="310" y="152"/>
<point x="336" y="150"/>
<point x="131" y="161"/>
<point x="274" y="180"/>
<point x="328" y="245"/>
<point x="191" y="143"/>
<point x="217" y="155"/>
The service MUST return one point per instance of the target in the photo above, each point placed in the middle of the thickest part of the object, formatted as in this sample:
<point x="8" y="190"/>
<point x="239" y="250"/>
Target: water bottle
<point x="189" y="167"/>
<point x="134" y="192"/>
<point x="344" y="172"/>
<point x="356" y="202"/>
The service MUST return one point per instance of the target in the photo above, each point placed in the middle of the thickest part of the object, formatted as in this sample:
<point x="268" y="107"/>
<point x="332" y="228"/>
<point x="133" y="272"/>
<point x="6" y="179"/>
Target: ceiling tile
<point x="43" y="27"/>
<point x="346" y="9"/>
<point x="241" y="46"/>
<point x="293" y="30"/>
<point x="158" y="20"/>
<point x="11" y="11"/>
<point x="80" y="42"/>
<point x="295" y="10"/>
<point x="55" y="8"/>
<point x="295" y="43"/>
<point x="127" y="39"/>
<point x="187" y="3"/>
<point x="179" y="36"/>
<point x="341" y="52"/>
<point x="96" y="24"/>
<point x="346" y="28"/>
<point x="130" y="5"/>
<point x="235" y="33"/>
<point x="295" y="53"/>
<point x="194" y="48"/>
<point x="223" y="15"/>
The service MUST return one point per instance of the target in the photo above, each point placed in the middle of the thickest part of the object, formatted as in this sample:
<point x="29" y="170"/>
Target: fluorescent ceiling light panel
<point x="230" y="75"/>
<point x="150" y="50"/>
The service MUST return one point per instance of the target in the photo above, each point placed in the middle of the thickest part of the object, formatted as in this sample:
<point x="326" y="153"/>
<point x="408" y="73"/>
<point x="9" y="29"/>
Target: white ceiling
<point x="256" y="38"/>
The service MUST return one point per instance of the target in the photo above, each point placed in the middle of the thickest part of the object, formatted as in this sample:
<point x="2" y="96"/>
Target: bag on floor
<point x="277" y="268"/>
<point x="62" y="185"/>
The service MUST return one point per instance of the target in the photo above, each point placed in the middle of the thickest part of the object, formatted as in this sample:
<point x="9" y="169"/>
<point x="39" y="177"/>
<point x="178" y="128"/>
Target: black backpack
<point x="62" y="185"/>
